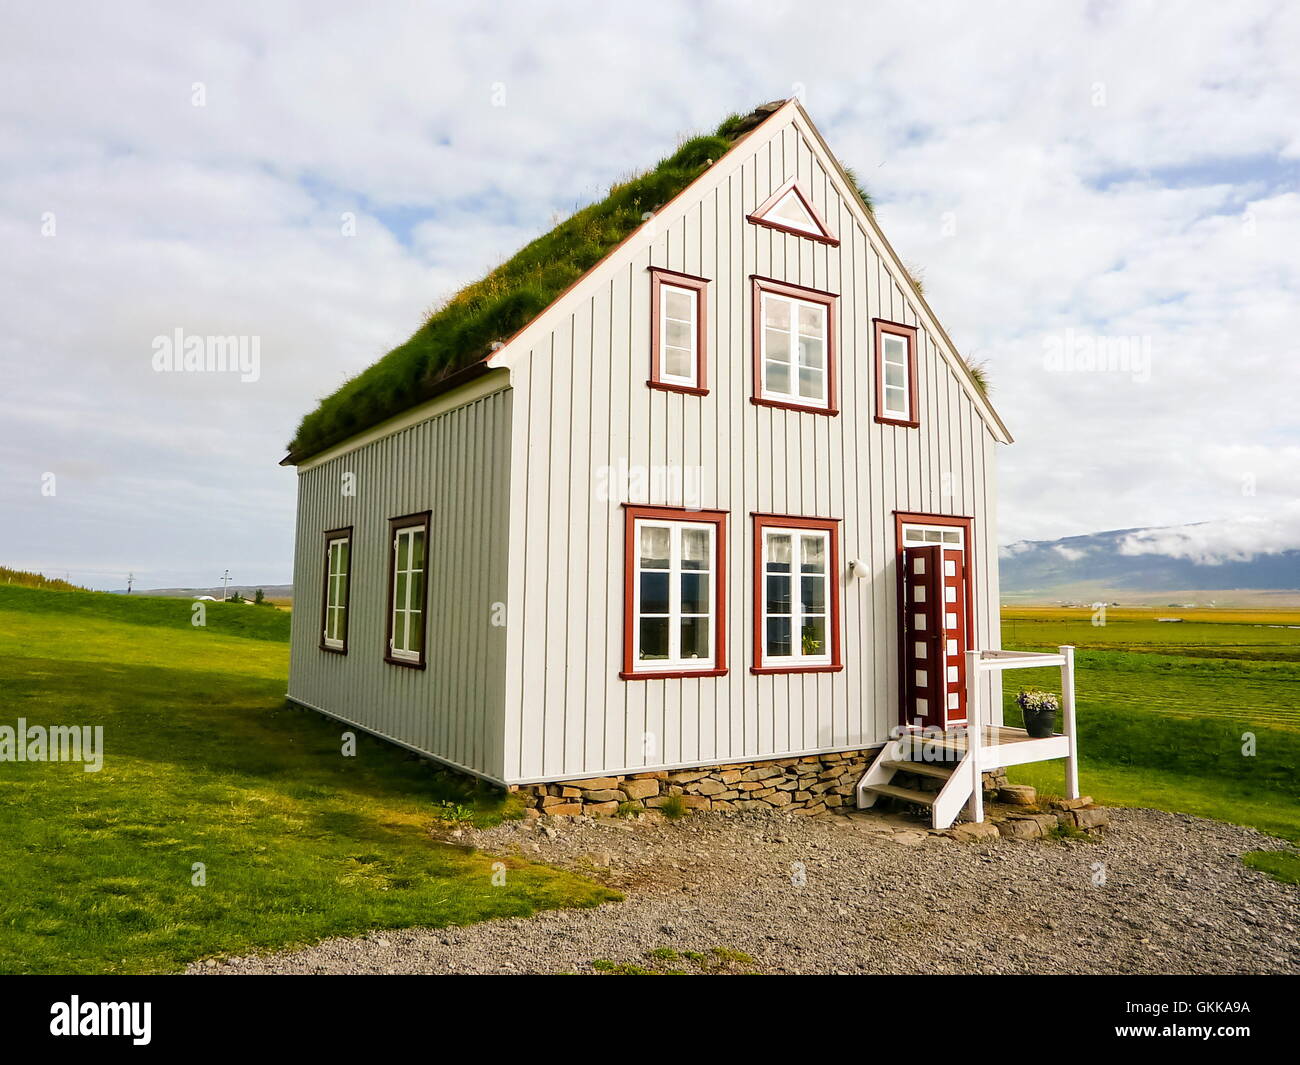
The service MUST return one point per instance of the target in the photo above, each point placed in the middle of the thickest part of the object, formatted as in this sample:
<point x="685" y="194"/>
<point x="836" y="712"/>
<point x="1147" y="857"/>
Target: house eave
<point x="430" y="394"/>
<point x="466" y="385"/>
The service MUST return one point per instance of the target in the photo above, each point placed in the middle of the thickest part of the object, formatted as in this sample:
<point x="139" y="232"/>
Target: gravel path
<point x="877" y="896"/>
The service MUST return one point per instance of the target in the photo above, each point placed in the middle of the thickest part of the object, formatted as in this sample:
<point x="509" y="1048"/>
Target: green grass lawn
<point x="1166" y="713"/>
<point x="1277" y="864"/>
<point x="204" y="764"/>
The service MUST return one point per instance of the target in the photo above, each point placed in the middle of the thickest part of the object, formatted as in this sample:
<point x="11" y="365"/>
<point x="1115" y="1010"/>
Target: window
<point x="794" y="347"/>
<point x="338" y="585"/>
<point x="674" y="591"/>
<point x="920" y="535"/>
<point x="678" y="332"/>
<point x="790" y="209"/>
<point x="407" y="589"/>
<point x="796" y="595"/>
<point x="896" y="374"/>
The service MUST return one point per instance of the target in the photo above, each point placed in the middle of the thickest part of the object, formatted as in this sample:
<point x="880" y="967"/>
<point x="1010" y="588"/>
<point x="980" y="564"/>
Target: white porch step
<point x="926" y="769"/>
<point x="921" y="798"/>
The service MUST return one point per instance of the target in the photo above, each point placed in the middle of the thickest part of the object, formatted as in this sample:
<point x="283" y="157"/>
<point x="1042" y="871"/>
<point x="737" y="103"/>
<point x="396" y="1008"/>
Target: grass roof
<point x="461" y="332"/>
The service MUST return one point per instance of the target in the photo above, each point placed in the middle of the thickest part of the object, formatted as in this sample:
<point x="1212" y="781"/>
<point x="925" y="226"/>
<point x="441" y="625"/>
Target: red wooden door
<point x="934" y="636"/>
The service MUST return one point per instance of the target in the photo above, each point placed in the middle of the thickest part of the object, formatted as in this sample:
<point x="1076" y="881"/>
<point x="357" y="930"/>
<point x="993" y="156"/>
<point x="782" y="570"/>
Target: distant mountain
<point x="271" y="591"/>
<point x="1141" y="560"/>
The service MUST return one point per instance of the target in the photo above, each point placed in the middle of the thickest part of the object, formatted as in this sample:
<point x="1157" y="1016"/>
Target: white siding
<point x="455" y="465"/>
<point x="582" y="404"/>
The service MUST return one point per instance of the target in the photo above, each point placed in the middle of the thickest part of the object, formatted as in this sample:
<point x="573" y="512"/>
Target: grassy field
<point x="26" y="579"/>
<point x="203" y="764"/>
<point x="1168" y="712"/>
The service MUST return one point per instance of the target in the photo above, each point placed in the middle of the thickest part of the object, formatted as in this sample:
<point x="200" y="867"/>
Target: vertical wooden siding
<point x="457" y="466"/>
<point x="582" y="405"/>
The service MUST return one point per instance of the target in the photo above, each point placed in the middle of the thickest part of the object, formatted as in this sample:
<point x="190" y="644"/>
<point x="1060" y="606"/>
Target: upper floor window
<point x="896" y="374"/>
<point x="796" y="594"/>
<point x="673" y="593"/>
<point x="678" y="332"/>
<point x="790" y="209"/>
<point x="407" y="614"/>
<point x="794" y="347"/>
<point x="338" y="585"/>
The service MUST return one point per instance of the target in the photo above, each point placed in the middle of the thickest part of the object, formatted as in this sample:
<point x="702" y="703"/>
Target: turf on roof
<point x="462" y="332"/>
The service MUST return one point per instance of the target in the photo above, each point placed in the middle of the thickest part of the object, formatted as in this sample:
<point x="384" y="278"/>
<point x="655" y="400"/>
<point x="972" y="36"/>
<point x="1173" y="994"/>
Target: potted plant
<point x="1039" y="711"/>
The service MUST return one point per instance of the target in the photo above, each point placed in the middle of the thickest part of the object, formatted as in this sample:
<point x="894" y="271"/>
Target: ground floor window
<point x="674" y="594"/>
<point x="407" y="615"/>
<point x="338" y="585"/>
<point x="796" y="594"/>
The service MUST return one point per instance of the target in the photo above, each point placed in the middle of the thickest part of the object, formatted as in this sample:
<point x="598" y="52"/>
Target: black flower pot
<point x="1040" y="723"/>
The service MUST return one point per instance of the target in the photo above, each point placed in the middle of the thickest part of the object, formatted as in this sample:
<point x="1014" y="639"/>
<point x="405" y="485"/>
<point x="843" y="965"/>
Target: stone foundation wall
<point x="808" y="785"/>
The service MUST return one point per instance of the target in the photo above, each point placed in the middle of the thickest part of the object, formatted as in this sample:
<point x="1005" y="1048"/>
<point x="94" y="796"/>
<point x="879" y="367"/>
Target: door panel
<point x="955" y="635"/>
<point x="935" y="639"/>
<point x="923" y="636"/>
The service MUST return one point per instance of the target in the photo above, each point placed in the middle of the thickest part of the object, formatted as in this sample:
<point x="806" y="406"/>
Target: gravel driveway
<point x="863" y="893"/>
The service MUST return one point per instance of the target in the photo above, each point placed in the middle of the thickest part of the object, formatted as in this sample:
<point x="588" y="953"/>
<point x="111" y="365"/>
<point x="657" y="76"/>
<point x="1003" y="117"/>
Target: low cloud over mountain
<point x="1244" y="553"/>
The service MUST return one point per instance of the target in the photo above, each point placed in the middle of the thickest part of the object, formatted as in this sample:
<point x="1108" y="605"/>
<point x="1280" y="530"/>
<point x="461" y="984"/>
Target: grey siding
<point x="582" y="405"/>
<point x="457" y="466"/>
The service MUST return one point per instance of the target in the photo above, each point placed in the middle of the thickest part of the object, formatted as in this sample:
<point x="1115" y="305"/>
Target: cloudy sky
<point x="1063" y="176"/>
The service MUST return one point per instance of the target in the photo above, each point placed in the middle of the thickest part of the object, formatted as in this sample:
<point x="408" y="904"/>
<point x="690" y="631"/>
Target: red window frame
<point x="631" y="514"/>
<point x="659" y="277"/>
<point x="830" y="301"/>
<point x="908" y="333"/>
<point x="834" y="621"/>
<point x="758" y="216"/>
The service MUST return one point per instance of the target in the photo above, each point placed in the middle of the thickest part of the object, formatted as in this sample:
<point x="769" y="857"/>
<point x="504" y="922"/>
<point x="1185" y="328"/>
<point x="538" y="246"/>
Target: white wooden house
<point x="662" y="537"/>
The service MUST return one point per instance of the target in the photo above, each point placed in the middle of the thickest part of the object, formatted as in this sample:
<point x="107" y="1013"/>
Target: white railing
<point x="982" y="755"/>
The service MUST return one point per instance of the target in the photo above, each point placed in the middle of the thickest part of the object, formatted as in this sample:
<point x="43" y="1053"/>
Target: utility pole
<point x="130" y="579"/>
<point x="225" y="579"/>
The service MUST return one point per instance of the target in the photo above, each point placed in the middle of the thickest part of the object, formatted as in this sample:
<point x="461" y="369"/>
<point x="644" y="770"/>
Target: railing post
<point x="974" y="736"/>
<point x="1068" y="723"/>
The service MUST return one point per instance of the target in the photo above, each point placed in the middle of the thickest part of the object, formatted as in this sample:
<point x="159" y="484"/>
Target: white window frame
<point x="903" y="413"/>
<point x="917" y="534"/>
<point x="693" y="379"/>
<point x="404" y="652"/>
<point x="793" y="397"/>
<point x="674" y="663"/>
<point x="796" y="615"/>
<point x="336" y="588"/>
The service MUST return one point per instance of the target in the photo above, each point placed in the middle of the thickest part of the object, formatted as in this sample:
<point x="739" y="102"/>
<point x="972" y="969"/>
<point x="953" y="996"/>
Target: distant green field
<point x="204" y="764"/>
<point x="1241" y="635"/>
<point x="225" y="619"/>
<point x="1169" y="712"/>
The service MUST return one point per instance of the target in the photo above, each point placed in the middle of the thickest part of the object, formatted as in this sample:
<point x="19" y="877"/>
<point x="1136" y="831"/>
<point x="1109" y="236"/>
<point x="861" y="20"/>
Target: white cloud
<point x="1216" y="542"/>
<point x="1070" y="554"/>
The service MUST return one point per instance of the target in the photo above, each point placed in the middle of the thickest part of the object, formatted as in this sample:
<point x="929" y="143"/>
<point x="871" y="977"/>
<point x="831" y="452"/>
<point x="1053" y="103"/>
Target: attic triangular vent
<point x="790" y="210"/>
